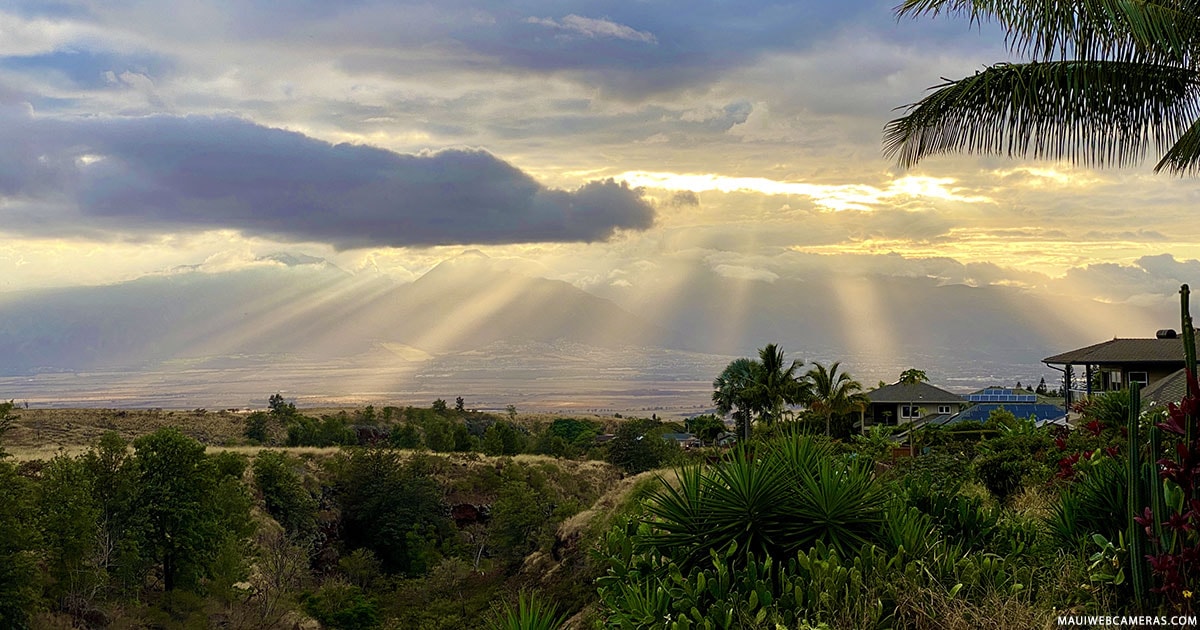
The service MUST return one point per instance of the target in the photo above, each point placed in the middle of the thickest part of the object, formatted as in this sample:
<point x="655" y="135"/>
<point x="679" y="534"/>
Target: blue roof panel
<point x="981" y="412"/>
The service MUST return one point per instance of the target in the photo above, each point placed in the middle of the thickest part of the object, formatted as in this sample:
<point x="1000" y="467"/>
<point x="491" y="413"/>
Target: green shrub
<point x="530" y="613"/>
<point x="769" y="503"/>
<point x="342" y="606"/>
<point x="277" y="477"/>
<point x="256" y="427"/>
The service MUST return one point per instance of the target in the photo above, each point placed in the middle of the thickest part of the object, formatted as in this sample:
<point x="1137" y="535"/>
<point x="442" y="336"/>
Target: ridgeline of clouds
<point x="167" y="173"/>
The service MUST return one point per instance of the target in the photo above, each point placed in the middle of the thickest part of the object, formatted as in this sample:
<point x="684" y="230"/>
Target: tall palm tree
<point x="759" y="389"/>
<point x="1105" y="80"/>
<point x="734" y="392"/>
<point x="779" y="384"/>
<point x="832" y="393"/>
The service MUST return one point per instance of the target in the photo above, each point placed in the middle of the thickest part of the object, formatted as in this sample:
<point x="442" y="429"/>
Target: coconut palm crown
<point x="748" y="389"/>
<point x="1105" y="81"/>
<point x="833" y="392"/>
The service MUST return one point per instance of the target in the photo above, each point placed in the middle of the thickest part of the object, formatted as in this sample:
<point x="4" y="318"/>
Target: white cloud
<point x="595" y="28"/>
<point x="740" y="272"/>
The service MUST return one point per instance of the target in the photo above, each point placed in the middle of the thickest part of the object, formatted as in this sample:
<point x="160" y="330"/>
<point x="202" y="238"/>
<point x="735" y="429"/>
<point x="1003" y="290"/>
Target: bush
<point x="256" y="427"/>
<point x="638" y="446"/>
<point x="1008" y="461"/>
<point x="768" y="504"/>
<point x="342" y="606"/>
<point x="390" y="507"/>
<point x="284" y="495"/>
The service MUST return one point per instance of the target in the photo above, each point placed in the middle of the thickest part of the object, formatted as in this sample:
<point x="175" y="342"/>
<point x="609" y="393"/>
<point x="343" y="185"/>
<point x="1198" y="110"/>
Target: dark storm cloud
<point x="171" y="173"/>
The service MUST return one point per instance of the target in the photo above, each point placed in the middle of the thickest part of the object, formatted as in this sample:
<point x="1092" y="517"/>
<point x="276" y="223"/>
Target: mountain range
<point x="310" y="310"/>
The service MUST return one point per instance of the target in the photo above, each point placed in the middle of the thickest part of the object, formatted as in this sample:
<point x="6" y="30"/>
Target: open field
<point x="44" y="433"/>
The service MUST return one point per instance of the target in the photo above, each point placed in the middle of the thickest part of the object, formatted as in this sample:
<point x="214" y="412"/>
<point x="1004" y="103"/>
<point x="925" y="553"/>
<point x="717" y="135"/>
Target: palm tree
<point x="748" y="388"/>
<point x="779" y="386"/>
<point x="832" y="393"/>
<point x="734" y="392"/>
<point x="912" y="376"/>
<point x="1105" y="80"/>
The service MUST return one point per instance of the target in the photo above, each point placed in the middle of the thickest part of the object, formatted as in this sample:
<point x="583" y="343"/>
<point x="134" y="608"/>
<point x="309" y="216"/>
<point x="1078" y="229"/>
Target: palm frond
<point x="1153" y="31"/>
<point x="1184" y="156"/>
<point x="1097" y="113"/>
<point x="1169" y="28"/>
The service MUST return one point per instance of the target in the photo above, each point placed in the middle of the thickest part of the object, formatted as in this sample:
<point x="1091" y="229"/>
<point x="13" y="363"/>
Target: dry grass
<point x="1034" y="501"/>
<point x="52" y="428"/>
<point x="923" y="608"/>
<point x="608" y="504"/>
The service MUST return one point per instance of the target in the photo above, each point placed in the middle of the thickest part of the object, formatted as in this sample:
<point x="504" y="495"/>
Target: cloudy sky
<point x="609" y="144"/>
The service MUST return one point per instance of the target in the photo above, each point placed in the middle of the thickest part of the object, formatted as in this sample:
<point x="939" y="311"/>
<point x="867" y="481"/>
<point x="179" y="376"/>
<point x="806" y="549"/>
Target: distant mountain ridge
<point x="307" y="309"/>
<point x="303" y="307"/>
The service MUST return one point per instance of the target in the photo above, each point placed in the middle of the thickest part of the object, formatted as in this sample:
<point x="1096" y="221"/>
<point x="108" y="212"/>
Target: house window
<point x="910" y="411"/>
<point x="943" y="408"/>
<point x="1139" y="377"/>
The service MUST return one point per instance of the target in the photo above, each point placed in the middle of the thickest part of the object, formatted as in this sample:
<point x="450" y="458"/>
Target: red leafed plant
<point x="1175" y="533"/>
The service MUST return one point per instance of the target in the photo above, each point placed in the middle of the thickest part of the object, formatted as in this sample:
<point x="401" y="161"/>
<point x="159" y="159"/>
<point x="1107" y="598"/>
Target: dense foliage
<point x="441" y="518"/>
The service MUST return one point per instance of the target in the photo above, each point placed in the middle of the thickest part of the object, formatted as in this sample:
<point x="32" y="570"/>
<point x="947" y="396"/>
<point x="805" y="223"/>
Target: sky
<point x="607" y="144"/>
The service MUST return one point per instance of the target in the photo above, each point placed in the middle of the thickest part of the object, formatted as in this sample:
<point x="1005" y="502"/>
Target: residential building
<point x="901" y="404"/>
<point x="1113" y="365"/>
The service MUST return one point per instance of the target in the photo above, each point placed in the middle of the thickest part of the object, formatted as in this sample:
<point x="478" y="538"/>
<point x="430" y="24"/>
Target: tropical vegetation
<point x="444" y="518"/>
<point x="1103" y="82"/>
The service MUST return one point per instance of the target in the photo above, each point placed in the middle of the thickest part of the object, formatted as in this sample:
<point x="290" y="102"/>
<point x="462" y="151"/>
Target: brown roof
<point x="1124" y="351"/>
<point x="1171" y="389"/>
<point x="913" y="393"/>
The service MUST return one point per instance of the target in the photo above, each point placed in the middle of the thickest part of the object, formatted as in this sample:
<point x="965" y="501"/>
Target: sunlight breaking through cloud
<point x="833" y="197"/>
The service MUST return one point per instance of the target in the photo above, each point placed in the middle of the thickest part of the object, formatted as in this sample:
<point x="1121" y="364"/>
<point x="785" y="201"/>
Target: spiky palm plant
<point x="771" y="503"/>
<point x="530" y="613"/>
<point x="1105" y="80"/>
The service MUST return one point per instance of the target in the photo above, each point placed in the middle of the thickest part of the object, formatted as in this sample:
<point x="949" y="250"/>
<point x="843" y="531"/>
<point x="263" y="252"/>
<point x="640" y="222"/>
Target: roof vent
<point x="1166" y="333"/>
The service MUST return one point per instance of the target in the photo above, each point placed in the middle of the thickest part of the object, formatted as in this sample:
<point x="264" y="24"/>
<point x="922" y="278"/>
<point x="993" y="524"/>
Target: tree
<point x="706" y="427"/>
<point x="70" y="523"/>
<point x="779" y="384"/>
<point x="439" y="406"/>
<point x="393" y="508"/>
<point x="1041" y="388"/>
<point x="733" y="392"/>
<point x="18" y="542"/>
<point x="185" y="507"/>
<point x="6" y="422"/>
<point x="280" y="407"/>
<point x="1104" y="81"/>
<point x="503" y="438"/>
<point x="460" y="405"/>
<point x="832" y="393"/>
<point x="637" y="446"/>
<point x="277" y="477"/>
<point x="912" y="376"/>
<point x="747" y="388"/>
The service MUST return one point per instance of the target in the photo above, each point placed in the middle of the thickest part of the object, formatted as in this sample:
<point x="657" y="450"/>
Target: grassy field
<point x="43" y="433"/>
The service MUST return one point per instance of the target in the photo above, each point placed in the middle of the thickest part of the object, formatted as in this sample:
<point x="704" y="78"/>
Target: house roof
<point x="912" y="393"/>
<point x="1171" y="389"/>
<point x="1002" y="394"/>
<point x="1124" y="351"/>
<point x="981" y="412"/>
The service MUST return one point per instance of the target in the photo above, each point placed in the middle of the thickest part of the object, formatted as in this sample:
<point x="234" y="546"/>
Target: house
<point x="911" y="403"/>
<point x="1113" y="365"/>
<point x="1165" y="391"/>
<point x="1019" y="402"/>
<point x="682" y="440"/>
